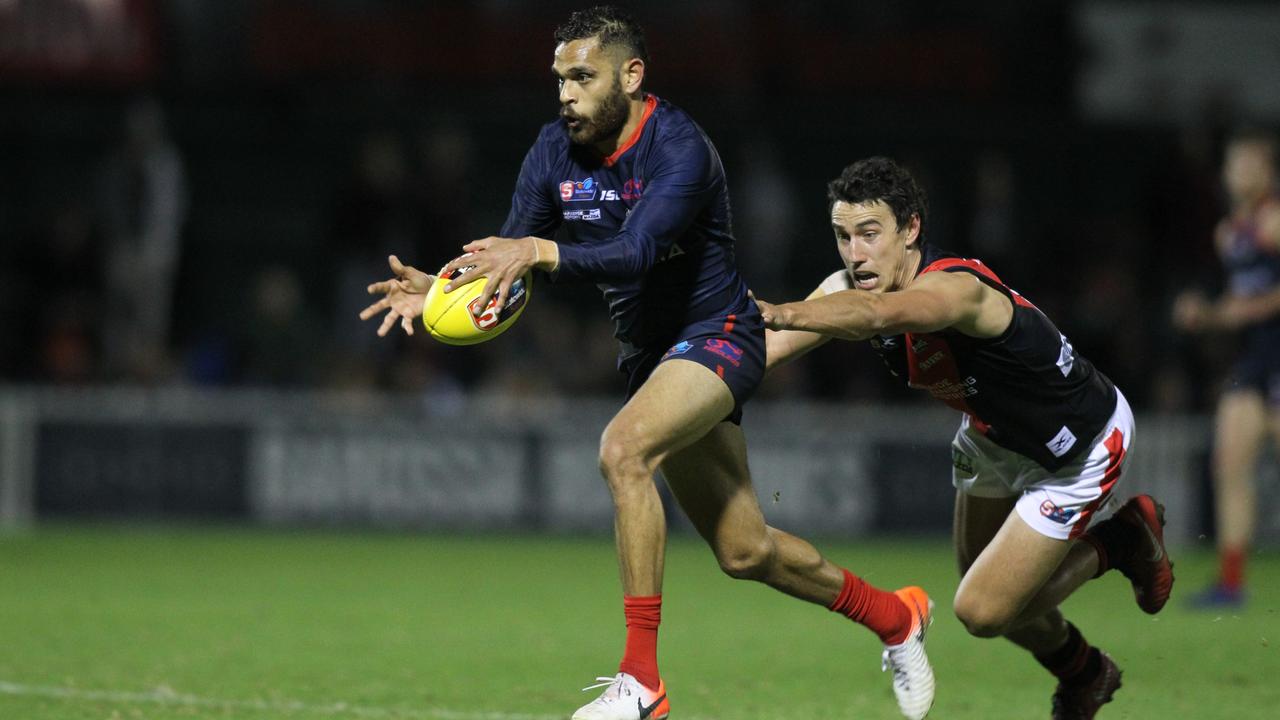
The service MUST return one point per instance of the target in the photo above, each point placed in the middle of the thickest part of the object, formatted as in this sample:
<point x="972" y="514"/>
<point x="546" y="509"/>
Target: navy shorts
<point x="1257" y="369"/>
<point x="732" y="347"/>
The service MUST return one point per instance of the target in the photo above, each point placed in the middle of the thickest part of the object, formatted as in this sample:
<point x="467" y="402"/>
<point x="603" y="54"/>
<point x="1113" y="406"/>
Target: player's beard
<point x="607" y="120"/>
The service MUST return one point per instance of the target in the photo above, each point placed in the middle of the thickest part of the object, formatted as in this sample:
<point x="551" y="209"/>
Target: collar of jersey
<point x="650" y="102"/>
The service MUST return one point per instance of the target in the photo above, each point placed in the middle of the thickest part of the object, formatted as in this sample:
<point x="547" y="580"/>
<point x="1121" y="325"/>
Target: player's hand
<point x="502" y="260"/>
<point x="1192" y="312"/>
<point x="402" y="297"/>
<point x="771" y="314"/>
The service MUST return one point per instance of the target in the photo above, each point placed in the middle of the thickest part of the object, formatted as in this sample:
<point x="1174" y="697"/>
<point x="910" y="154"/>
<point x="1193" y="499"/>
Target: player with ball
<point x="638" y="196"/>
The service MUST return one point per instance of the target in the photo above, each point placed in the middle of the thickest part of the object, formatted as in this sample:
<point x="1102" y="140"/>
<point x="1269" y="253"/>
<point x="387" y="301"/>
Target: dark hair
<point x="614" y="27"/>
<point x="879" y="178"/>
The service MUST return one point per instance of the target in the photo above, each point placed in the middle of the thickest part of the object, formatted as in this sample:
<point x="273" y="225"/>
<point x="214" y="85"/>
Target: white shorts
<point x="1059" y="504"/>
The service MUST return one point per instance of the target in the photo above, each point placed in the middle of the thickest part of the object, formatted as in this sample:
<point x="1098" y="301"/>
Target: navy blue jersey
<point x="1027" y="390"/>
<point x="649" y="224"/>
<point x="1253" y="268"/>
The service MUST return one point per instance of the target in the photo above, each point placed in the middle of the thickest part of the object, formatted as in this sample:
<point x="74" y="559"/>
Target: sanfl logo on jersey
<point x="578" y="190"/>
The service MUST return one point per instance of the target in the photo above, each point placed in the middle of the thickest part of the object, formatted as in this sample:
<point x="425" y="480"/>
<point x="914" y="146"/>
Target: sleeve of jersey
<point x="675" y="192"/>
<point x="532" y="210"/>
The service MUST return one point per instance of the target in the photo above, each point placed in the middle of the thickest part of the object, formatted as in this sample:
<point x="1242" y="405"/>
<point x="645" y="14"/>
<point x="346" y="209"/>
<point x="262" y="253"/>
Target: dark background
<point x="313" y="138"/>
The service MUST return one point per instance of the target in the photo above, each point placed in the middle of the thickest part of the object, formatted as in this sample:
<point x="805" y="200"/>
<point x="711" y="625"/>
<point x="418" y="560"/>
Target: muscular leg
<point x="679" y="403"/>
<point x="1013" y="577"/>
<point x="711" y="481"/>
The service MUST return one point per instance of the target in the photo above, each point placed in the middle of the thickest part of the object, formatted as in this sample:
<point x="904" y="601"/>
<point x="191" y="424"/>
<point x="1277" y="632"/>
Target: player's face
<point x="591" y="98"/>
<point x="1247" y="170"/>
<point x="873" y="247"/>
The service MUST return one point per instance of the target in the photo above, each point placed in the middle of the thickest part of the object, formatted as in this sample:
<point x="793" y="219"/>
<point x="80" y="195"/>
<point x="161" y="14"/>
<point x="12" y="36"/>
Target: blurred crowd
<point x="103" y="286"/>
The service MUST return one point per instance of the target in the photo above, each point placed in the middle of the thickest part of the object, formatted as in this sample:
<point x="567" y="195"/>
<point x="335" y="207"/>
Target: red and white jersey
<point x="1027" y="390"/>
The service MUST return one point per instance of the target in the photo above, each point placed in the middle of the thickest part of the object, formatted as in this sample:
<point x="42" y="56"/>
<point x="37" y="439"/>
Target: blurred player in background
<point x="1248" y="241"/>
<point x="638" y="194"/>
<point x="1041" y="443"/>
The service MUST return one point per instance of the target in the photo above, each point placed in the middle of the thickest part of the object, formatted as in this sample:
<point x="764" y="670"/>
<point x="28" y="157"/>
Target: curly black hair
<point x="613" y="26"/>
<point x="880" y="178"/>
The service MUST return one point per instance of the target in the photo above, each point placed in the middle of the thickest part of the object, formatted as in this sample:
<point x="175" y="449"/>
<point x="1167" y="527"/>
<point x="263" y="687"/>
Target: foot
<point x="912" y="675"/>
<point x="1217" y="597"/>
<point x="1148" y="566"/>
<point x="625" y="698"/>
<point x="1080" y="701"/>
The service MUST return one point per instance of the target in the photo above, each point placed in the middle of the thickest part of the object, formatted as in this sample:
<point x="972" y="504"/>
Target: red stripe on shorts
<point x="1115" y="447"/>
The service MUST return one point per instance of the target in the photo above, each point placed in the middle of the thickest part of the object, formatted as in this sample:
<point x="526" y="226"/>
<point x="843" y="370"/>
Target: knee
<point x="622" y="459"/>
<point x="981" y="617"/>
<point x="747" y="559"/>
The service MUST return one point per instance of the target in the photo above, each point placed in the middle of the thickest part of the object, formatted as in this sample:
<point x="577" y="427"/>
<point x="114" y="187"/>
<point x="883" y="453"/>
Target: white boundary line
<point x="167" y="696"/>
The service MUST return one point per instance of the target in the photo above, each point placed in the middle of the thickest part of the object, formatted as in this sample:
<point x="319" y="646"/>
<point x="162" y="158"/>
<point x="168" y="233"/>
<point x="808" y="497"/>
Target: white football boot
<point x="912" y="675"/>
<point x="625" y="698"/>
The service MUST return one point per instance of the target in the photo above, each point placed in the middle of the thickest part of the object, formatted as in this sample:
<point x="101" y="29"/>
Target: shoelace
<point x="602" y="682"/>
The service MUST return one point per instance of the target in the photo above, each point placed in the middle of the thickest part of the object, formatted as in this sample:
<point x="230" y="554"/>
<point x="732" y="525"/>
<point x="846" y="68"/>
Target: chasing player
<point x="1248" y="241"/>
<point x="1043" y="435"/>
<point x="638" y="195"/>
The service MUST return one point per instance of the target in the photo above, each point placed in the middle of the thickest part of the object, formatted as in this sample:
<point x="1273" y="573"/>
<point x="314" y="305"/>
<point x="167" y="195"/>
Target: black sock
<point x="1075" y="661"/>
<point x="1114" y="541"/>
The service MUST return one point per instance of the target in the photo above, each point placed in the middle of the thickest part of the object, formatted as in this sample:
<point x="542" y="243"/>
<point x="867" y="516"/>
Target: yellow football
<point x="452" y="317"/>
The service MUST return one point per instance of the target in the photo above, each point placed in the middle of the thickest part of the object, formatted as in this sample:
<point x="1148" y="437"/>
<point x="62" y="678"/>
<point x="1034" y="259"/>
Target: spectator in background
<point x="1248" y="242"/>
<point x="143" y="201"/>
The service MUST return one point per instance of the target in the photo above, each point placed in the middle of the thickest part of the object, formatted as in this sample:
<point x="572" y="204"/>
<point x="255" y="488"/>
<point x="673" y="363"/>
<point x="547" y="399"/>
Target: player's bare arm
<point x="932" y="302"/>
<point x="783" y="346"/>
<point x="503" y="261"/>
<point x="402" y="298"/>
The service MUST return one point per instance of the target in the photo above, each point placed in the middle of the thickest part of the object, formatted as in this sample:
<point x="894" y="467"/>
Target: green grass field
<point x="161" y="622"/>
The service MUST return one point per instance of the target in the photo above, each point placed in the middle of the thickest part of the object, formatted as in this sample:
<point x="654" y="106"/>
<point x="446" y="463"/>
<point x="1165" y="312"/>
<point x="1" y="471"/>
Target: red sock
<point x="880" y="611"/>
<point x="1231" y="562"/>
<point x="640" y="659"/>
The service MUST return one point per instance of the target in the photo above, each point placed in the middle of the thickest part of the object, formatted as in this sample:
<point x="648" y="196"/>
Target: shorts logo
<point x="1055" y="513"/>
<point x="726" y="350"/>
<point x="578" y="190"/>
<point x="961" y="462"/>
<point x="679" y="348"/>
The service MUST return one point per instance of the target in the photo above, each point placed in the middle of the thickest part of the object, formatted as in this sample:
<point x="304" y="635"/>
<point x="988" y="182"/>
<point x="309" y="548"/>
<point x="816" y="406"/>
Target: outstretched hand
<point x="402" y="296"/>
<point x="769" y="313"/>
<point x="502" y="260"/>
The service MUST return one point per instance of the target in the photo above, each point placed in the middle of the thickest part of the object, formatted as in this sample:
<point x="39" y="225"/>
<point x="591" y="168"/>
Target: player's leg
<point x="1086" y="676"/>
<point x="1240" y="427"/>
<point x="678" y="403"/>
<point x="711" y="481"/>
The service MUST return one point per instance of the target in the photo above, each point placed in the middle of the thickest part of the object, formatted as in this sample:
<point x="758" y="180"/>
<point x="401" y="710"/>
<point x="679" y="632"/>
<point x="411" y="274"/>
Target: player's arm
<point x="933" y="302"/>
<point x="523" y="242"/>
<point x="783" y="346"/>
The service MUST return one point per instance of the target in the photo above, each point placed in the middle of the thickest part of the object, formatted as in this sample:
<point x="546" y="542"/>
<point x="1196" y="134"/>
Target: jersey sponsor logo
<point x="593" y="214"/>
<point x="1061" y="443"/>
<point x="608" y="194"/>
<point x="632" y="189"/>
<point x="679" y="348"/>
<point x="1057" y="514"/>
<point x="725" y="349"/>
<point x="578" y="190"/>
